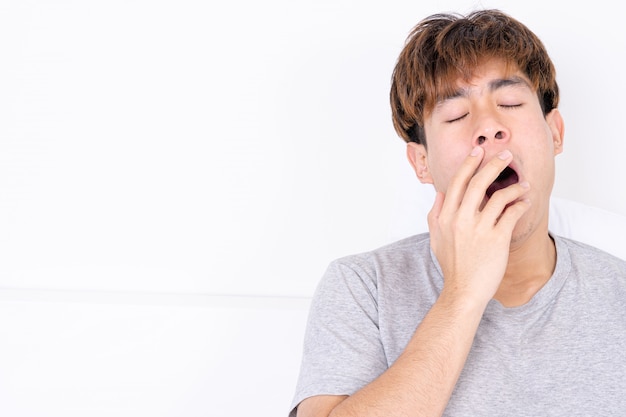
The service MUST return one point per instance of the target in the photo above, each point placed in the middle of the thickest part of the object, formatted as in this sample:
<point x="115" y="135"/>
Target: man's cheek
<point x="442" y="180"/>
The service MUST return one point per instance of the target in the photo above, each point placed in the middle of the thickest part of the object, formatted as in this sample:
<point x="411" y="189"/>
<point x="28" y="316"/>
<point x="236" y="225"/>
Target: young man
<point x="488" y="314"/>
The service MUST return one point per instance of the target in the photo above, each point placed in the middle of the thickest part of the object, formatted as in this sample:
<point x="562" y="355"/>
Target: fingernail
<point x="506" y="154"/>
<point x="475" y="151"/>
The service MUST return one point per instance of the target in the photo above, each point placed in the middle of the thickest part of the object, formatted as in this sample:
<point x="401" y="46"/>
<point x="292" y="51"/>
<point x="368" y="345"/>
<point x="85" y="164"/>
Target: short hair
<point x="444" y="48"/>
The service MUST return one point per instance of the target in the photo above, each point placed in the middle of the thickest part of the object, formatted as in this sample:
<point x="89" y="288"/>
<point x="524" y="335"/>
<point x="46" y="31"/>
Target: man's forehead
<point x="465" y="89"/>
<point x="491" y="75"/>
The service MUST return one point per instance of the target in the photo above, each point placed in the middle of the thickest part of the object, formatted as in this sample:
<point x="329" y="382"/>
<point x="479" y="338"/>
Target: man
<point x="488" y="314"/>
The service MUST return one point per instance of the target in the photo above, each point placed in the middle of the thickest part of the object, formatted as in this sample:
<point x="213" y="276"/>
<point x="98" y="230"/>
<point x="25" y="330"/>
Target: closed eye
<point x="457" y="119"/>
<point x="510" y="106"/>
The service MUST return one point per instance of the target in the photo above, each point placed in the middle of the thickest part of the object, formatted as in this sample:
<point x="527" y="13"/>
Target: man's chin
<point x="521" y="232"/>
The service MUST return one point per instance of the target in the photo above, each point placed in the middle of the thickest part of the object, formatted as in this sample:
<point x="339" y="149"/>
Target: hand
<point x="470" y="243"/>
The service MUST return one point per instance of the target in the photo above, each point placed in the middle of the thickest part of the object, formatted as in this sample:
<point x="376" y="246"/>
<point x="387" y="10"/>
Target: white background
<point x="232" y="149"/>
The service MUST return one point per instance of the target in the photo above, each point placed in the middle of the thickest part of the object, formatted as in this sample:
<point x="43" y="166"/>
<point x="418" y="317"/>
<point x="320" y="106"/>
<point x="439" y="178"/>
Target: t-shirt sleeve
<point x="342" y="347"/>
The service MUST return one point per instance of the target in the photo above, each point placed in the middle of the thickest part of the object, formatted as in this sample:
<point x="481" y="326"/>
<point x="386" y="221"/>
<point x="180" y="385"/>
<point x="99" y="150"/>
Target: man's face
<point x="498" y="111"/>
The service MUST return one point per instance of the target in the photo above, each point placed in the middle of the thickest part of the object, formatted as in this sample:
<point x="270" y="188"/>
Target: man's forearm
<point x="421" y="381"/>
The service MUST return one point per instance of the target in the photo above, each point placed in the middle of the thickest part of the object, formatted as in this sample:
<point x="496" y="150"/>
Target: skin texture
<point x="495" y="247"/>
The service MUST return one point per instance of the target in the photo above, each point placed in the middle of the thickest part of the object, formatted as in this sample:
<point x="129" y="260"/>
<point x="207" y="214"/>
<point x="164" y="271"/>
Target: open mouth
<point x="507" y="177"/>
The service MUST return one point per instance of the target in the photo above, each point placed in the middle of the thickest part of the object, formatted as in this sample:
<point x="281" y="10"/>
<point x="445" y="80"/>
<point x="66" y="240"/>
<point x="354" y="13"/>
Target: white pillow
<point x="592" y="225"/>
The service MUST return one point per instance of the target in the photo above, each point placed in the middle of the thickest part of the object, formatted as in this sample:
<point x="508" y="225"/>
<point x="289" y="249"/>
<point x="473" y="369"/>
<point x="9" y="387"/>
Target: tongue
<point x="507" y="177"/>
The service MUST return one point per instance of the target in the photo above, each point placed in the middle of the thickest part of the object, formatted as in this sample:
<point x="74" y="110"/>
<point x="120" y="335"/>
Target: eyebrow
<point x="505" y="82"/>
<point x="492" y="86"/>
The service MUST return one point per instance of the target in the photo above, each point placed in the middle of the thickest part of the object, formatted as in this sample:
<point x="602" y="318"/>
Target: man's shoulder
<point x="410" y="256"/>
<point x="416" y="246"/>
<point x="584" y="255"/>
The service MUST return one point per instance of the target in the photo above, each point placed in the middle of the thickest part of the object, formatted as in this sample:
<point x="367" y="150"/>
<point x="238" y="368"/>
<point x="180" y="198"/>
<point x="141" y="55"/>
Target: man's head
<point x="483" y="80"/>
<point x="445" y="48"/>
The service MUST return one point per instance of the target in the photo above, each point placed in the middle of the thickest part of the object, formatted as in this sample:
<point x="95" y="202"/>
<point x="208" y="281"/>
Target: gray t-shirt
<point x="561" y="354"/>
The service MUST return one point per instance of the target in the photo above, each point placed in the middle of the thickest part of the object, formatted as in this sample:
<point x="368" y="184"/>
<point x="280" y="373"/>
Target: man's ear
<point x="418" y="158"/>
<point x="557" y="127"/>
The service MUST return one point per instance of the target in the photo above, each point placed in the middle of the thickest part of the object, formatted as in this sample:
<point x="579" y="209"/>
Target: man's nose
<point x="489" y="128"/>
<point x="500" y="135"/>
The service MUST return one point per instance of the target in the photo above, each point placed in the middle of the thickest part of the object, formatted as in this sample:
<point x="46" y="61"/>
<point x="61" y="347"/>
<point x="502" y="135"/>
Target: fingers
<point x="503" y="199"/>
<point x="468" y="186"/>
<point x="467" y="189"/>
<point x="512" y="214"/>
<point x="478" y="185"/>
<point x="458" y="184"/>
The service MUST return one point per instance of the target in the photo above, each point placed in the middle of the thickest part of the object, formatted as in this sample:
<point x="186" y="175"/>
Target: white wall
<point x="225" y="150"/>
<point x="114" y="354"/>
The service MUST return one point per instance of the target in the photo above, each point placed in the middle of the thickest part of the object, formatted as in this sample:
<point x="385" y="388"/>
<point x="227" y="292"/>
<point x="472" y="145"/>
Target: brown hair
<point x="444" y="48"/>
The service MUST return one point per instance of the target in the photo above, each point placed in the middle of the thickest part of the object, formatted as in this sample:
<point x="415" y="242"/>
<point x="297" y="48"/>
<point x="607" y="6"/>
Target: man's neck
<point x="530" y="266"/>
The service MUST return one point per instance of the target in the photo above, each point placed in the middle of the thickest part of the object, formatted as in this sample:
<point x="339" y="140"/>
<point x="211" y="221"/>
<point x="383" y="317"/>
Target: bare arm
<point x="421" y="381"/>
<point x="423" y="377"/>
